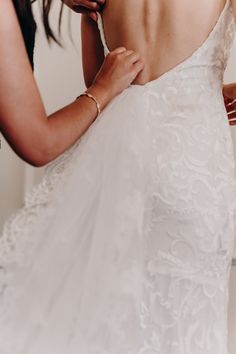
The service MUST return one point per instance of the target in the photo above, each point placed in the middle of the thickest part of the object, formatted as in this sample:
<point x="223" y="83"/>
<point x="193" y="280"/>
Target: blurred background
<point x="58" y="72"/>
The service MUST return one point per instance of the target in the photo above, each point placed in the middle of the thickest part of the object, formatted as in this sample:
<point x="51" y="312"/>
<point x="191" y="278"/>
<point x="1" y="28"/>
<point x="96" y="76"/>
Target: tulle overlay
<point x="125" y="246"/>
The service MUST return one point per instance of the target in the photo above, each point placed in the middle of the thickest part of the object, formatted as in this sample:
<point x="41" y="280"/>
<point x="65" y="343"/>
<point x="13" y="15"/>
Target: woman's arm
<point x="92" y="49"/>
<point x="36" y="138"/>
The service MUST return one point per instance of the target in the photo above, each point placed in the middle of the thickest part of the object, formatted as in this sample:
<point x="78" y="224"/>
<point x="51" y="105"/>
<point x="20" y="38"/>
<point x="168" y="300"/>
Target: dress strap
<point x="102" y="34"/>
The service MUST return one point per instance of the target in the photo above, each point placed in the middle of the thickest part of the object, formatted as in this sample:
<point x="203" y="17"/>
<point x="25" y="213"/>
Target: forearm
<point x="36" y="138"/>
<point x="67" y="125"/>
<point x="45" y="138"/>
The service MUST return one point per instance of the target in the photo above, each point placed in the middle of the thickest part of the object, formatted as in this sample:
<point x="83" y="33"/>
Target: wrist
<point x="102" y="94"/>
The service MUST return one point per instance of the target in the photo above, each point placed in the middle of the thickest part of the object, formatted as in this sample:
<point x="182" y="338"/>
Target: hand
<point x="89" y="7"/>
<point x="229" y="93"/>
<point x="120" y="68"/>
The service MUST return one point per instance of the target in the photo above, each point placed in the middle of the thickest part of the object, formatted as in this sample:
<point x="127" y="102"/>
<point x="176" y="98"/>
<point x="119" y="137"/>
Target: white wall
<point x="59" y="76"/>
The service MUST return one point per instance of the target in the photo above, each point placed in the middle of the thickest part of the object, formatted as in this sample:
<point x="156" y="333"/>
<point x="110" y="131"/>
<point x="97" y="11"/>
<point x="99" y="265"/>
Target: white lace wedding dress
<point x="126" y="245"/>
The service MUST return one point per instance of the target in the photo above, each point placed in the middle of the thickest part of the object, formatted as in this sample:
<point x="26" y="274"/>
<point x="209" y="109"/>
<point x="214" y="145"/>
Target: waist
<point x="194" y="77"/>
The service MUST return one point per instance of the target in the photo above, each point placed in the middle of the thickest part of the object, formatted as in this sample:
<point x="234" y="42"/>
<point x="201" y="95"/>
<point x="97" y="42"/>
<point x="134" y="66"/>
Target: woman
<point x="36" y="138"/>
<point x="126" y="245"/>
<point x="229" y="90"/>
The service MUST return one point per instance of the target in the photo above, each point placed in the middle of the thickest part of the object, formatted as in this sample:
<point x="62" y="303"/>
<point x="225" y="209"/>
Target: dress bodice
<point x="213" y="52"/>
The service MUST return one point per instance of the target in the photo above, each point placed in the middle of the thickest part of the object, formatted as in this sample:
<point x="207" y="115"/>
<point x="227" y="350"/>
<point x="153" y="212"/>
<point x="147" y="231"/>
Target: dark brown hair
<point x="28" y="25"/>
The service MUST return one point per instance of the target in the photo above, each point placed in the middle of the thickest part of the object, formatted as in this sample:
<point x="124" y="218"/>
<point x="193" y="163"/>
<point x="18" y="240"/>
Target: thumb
<point x="93" y="15"/>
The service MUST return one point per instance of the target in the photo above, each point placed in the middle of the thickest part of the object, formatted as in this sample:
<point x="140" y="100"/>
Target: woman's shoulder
<point x="27" y="24"/>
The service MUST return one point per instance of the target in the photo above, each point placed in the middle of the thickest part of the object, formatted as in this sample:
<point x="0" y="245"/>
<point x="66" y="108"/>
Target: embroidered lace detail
<point x="125" y="246"/>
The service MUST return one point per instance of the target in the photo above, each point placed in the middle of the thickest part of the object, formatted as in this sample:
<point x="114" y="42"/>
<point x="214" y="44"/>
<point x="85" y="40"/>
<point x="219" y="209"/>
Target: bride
<point x="125" y="246"/>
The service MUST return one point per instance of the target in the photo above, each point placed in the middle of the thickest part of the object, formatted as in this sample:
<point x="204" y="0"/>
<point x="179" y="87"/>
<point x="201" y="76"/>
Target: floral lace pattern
<point x="126" y="244"/>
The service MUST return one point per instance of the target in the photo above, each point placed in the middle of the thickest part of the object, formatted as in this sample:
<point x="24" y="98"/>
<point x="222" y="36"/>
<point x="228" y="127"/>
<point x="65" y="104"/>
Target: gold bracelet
<point x="94" y="99"/>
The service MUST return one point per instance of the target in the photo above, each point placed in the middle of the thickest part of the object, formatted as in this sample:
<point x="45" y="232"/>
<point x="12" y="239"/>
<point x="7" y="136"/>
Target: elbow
<point x="41" y="156"/>
<point x="35" y="148"/>
<point x="36" y="155"/>
<point x="36" y="162"/>
<point x="36" y="159"/>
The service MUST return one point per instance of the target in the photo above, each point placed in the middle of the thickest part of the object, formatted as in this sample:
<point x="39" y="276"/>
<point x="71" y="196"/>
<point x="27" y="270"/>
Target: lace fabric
<point x="126" y="244"/>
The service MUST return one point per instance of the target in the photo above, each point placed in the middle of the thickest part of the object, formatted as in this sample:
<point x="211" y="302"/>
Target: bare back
<point x="164" y="32"/>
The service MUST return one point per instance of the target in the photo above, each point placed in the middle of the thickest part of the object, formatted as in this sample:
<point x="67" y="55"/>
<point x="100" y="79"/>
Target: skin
<point x="35" y="137"/>
<point x="88" y="7"/>
<point x="157" y="27"/>
<point x="229" y="92"/>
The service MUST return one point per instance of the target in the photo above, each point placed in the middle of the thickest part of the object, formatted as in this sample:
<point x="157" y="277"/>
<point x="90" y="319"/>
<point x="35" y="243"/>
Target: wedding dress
<point x="125" y="247"/>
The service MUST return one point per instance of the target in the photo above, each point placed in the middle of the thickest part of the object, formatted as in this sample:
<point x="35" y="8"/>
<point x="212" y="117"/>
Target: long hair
<point x="28" y="25"/>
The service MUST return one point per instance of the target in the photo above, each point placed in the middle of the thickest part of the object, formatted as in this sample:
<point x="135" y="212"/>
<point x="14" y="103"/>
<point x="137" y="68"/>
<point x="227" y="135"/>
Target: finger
<point x="232" y="121"/>
<point x="91" y="2"/>
<point x="128" y="52"/>
<point x="232" y="114"/>
<point x="93" y="15"/>
<point x="86" y="4"/>
<point x="119" y="50"/>
<point x="139" y="66"/>
<point x="231" y="102"/>
<point x="133" y="57"/>
<point x="231" y="106"/>
<point x="85" y="11"/>
<point x="227" y="99"/>
<point x="78" y="9"/>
